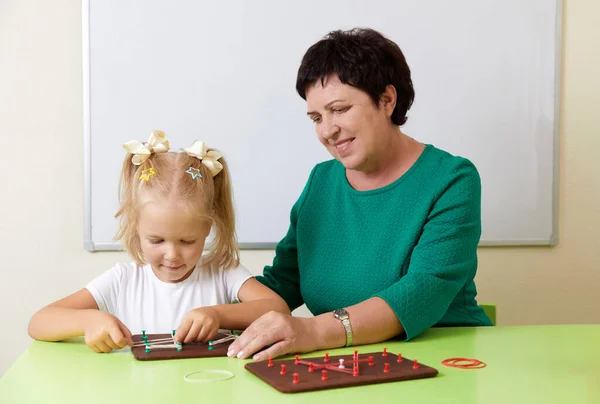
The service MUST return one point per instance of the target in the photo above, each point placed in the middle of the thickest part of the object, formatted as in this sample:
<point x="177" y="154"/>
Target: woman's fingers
<point x="278" y="349"/>
<point x="240" y="342"/>
<point x="258" y="327"/>
<point x="269" y="329"/>
<point x="252" y="345"/>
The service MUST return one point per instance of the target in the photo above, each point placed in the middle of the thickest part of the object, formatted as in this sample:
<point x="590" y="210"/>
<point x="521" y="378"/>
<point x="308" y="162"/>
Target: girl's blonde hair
<point x="208" y="198"/>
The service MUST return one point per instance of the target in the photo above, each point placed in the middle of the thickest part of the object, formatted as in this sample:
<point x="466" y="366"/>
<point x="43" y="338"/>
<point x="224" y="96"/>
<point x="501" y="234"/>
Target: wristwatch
<point x="342" y="315"/>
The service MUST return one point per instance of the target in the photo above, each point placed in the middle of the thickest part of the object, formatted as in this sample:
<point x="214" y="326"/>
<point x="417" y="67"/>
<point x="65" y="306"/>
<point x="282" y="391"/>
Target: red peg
<point x="282" y="370"/>
<point x="415" y="364"/>
<point x="386" y="368"/>
<point x="371" y="363"/>
<point x="311" y="368"/>
<point x="323" y="374"/>
<point x="296" y="380"/>
<point x="399" y="358"/>
<point x="355" y="355"/>
<point x="384" y="352"/>
<point x="355" y="369"/>
<point x="296" y="361"/>
<point x="326" y="360"/>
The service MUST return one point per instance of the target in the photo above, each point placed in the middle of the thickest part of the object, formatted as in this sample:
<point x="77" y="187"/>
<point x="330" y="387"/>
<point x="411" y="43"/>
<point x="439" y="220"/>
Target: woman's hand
<point x="283" y="332"/>
<point x="199" y="325"/>
<point x="104" y="332"/>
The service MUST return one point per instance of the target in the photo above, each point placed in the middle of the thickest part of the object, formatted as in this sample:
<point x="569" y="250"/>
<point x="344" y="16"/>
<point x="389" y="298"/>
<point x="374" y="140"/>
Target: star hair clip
<point x="194" y="172"/>
<point x="147" y="173"/>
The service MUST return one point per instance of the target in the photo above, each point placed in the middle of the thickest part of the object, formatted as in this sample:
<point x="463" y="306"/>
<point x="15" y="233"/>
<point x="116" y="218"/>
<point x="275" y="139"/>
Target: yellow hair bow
<point x="208" y="158"/>
<point x="157" y="143"/>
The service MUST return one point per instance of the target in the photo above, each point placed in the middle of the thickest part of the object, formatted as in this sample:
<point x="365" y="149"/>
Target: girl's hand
<point x="104" y="332"/>
<point x="199" y="325"/>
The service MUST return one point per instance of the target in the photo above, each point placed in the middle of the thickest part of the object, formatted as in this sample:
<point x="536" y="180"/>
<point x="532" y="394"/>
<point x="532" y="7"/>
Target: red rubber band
<point x="464" y="363"/>
<point x="461" y="362"/>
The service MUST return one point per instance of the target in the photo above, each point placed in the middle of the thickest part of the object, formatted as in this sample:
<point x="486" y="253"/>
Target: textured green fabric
<point x="413" y="243"/>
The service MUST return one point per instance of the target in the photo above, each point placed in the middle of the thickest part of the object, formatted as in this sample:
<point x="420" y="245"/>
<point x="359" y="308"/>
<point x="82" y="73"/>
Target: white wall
<point x="41" y="221"/>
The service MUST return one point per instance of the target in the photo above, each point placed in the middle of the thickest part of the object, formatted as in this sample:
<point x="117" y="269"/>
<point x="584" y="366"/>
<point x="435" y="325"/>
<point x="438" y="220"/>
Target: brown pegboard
<point x="194" y="350"/>
<point x="311" y="381"/>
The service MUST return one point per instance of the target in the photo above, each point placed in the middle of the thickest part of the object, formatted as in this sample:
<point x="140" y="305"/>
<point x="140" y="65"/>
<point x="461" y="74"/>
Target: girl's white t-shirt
<point x="132" y="293"/>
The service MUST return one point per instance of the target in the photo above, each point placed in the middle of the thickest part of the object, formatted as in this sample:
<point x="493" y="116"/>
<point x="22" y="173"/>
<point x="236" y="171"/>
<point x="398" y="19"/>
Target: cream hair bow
<point x="157" y="143"/>
<point x="208" y="158"/>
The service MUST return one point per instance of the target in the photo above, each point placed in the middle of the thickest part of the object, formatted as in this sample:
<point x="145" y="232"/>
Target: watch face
<point x="340" y="313"/>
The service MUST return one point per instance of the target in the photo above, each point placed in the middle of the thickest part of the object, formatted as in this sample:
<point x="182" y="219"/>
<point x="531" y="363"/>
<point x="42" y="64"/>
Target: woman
<point x="383" y="240"/>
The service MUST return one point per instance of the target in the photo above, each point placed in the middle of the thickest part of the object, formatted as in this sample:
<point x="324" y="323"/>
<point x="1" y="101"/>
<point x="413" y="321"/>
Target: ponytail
<point x="224" y="249"/>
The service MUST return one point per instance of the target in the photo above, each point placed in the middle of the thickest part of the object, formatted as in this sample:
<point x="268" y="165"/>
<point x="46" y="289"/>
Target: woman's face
<point x="347" y="122"/>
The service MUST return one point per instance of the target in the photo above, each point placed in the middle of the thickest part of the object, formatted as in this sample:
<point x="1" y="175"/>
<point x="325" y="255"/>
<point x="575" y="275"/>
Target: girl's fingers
<point x="183" y="330"/>
<point x="101" y="345"/>
<point x="192" y="334"/>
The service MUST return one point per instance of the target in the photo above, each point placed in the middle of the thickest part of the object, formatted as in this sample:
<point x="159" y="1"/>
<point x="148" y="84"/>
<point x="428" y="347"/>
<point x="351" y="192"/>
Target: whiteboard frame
<point x="90" y="245"/>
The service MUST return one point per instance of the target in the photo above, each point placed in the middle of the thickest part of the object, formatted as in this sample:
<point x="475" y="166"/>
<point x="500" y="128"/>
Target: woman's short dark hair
<point x="362" y="58"/>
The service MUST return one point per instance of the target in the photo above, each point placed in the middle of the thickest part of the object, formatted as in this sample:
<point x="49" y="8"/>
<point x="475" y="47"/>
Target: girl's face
<point x="172" y="241"/>
<point x="348" y="124"/>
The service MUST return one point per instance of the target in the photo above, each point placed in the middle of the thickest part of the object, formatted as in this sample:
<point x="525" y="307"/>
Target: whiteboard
<point x="486" y="77"/>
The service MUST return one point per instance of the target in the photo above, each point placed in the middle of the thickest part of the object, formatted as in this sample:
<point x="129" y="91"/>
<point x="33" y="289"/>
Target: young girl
<point x="169" y="204"/>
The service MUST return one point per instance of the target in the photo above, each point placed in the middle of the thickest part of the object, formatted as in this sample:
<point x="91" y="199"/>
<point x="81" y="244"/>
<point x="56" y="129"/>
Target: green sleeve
<point x="445" y="255"/>
<point x="283" y="275"/>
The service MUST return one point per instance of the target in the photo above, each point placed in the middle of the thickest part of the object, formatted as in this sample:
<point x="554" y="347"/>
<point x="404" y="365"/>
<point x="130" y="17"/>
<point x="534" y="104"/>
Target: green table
<point x="526" y="364"/>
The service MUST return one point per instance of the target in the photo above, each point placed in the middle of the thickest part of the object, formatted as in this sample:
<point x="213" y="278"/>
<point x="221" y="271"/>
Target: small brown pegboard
<point x="192" y="350"/>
